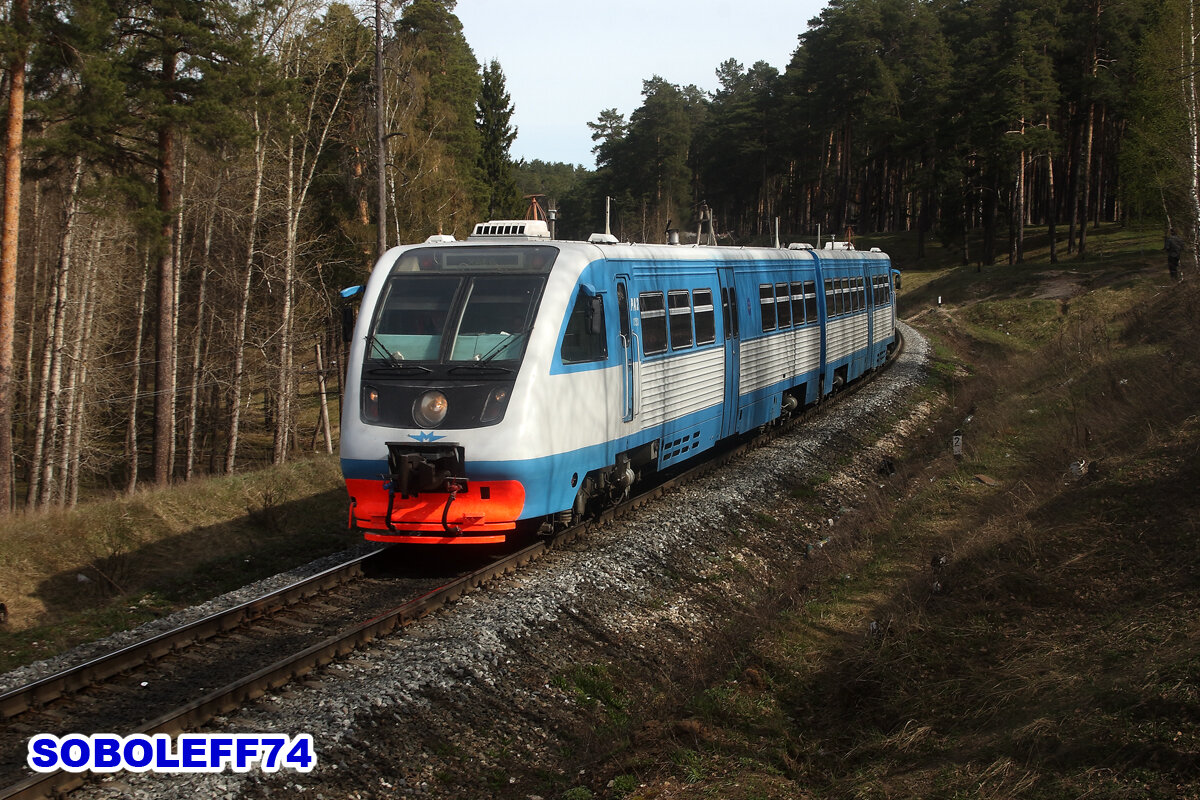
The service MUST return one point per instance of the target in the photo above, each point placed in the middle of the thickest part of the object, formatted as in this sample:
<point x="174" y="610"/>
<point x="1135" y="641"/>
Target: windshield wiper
<point x="393" y="363"/>
<point x="500" y="347"/>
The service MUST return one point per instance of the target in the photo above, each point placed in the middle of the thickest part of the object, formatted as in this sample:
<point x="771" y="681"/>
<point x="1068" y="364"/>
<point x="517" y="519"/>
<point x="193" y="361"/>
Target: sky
<point x="565" y="61"/>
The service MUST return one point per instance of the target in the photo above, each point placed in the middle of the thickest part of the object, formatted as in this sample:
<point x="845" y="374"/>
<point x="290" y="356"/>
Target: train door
<point x="868" y="297"/>
<point x="629" y="352"/>
<point x="823" y="383"/>
<point x="729" y="320"/>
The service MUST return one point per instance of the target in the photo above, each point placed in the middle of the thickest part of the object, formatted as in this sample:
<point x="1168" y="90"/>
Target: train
<point x="511" y="383"/>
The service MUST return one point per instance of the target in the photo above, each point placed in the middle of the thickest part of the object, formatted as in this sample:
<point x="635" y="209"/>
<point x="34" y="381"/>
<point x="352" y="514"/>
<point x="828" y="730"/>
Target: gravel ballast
<point x="479" y="700"/>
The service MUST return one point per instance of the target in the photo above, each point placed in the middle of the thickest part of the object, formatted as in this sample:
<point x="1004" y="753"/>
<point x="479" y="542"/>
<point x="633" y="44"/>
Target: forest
<point x="189" y="183"/>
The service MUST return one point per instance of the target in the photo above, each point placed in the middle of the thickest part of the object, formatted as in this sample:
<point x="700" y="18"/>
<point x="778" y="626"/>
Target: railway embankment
<point x="980" y="580"/>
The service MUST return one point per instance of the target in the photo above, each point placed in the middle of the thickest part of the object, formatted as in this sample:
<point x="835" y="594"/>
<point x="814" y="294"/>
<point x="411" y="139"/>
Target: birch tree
<point x="320" y="67"/>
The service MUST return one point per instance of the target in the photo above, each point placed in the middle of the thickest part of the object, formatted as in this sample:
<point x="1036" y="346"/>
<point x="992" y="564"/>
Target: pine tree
<point x="493" y="116"/>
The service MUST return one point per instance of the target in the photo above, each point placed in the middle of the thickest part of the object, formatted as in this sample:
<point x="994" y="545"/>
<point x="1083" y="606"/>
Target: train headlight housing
<point x="430" y="409"/>
<point x="370" y="403"/>
<point x="497" y="401"/>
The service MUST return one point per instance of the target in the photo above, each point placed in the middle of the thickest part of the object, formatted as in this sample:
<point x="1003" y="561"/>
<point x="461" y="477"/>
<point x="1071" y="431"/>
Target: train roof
<point x="607" y="246"/>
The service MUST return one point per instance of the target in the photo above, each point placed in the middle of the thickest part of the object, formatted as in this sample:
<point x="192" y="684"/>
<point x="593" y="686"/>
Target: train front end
<point x="443" y="332"/>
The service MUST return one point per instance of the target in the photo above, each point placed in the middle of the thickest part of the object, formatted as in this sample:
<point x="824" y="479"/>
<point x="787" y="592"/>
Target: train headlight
<point x="497" y="401"/>
<point x="370" y="403"/>
<point x="430" y="409"/>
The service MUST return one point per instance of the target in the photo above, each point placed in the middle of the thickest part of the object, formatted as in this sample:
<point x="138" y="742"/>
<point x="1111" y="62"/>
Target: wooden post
<point x="324" y="402"/>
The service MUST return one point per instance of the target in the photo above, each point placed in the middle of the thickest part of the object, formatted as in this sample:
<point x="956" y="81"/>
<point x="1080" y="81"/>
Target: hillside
<point x="1020" y="621"/>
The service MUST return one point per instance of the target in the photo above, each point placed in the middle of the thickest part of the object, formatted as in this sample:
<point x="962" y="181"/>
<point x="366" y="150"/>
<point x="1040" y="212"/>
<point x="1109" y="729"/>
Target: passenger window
<point x="766" y="303"/>
<point x="783" y="305"/>
<point x="706" y="322"/>
<point x="623" y="312"/>
<point x="797" y="304"/>
<point x="680" y="306"/>
<point x="654" y="323"/>
<point x="830" y="299"/>
<point x="585" y="338"/>
<point x="810" y="301"/>
<point x="725" y="312"/>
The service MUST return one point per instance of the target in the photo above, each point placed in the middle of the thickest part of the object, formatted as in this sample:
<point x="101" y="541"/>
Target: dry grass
<point x="1055" y="651"/>
<point x="68" y="576"/>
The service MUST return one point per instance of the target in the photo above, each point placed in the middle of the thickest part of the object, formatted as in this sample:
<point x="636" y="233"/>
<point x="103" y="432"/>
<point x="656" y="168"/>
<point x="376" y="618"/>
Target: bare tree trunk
<point x="35" y="260"/>
<point x="177" y="260"/>
<point x="283" y="385"/>
<point x="164" y="353"/>
<point x="74" y="418"/>
<point x="197" y="339"/>
<point x="46" y="422"/>
<point x="1085" y="187"/>
<point x="1089" y="132"/>
<point x="1051" y="208"/>
<point x="15" y="133"/>
<point x="1018" y="255"/>
<point x="1188" y="55"/>
<point x="302" y="160"/>
<point x="239" y="328"/>
<point x="131" y="431"/>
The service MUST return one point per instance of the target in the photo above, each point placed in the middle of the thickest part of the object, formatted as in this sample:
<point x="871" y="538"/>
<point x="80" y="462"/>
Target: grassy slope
<point x="72" y="576"/>
<point x="1059" y="656"/>
<point x="1059" y="652"/>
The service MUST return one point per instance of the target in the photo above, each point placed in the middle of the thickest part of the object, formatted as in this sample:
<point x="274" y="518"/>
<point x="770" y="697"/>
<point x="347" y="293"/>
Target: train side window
<point x="766" y="304"/>
<point x="706" y="320"/>
<point x="733" y="309"/>
<point x="783" y="305"/>
<point x="725" y="312"/>
<point x="797" y="304"/>
<point x="585" y="338"/>
<point x="679" y="305"/>
<point x="855" y="305"/>
<point x="810" y="301"/>
<point x="623" y="312"/>
<point x="830" y="310"/>
<point x="862" y="292"/>
<point x="654" y="322"/>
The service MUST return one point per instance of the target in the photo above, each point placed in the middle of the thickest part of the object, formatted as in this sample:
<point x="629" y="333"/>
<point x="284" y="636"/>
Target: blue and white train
<point x="509" y="381"/>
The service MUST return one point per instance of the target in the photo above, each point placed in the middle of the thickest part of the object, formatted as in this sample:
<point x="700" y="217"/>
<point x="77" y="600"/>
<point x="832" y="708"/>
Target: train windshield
<point x="466" y="305"/>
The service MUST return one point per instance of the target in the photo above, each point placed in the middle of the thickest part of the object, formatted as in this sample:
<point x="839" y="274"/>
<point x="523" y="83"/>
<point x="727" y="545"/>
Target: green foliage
<point x="437" y="149"/>
<point x="647" y="164"/>
<point x="493" y="117"/>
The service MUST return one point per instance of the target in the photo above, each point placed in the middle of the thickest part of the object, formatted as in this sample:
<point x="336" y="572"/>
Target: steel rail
<point x="23" y="698"/>
<point x="253" y="686"/>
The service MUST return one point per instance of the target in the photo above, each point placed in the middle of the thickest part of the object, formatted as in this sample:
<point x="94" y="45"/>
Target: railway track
<point x="182" y="679"/>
